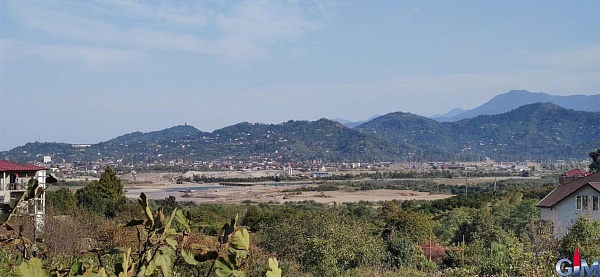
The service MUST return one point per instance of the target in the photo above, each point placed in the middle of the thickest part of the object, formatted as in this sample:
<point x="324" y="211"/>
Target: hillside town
<point x="77" y="169"/>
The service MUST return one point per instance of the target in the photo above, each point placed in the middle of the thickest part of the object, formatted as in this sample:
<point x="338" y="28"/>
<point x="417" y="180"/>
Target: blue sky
<point x="88" y="71"/>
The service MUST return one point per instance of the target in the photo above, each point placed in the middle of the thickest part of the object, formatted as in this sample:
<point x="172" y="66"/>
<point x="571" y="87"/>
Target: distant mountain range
<point x="451" y="113"/>
<point x="352" y="124"/>
<point x="515" y="98"/>
<point x="535" y="131"/>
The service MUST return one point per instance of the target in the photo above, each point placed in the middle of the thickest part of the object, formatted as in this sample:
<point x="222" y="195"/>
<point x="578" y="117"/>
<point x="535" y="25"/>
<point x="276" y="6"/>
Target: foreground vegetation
<point x="484" y="233"/>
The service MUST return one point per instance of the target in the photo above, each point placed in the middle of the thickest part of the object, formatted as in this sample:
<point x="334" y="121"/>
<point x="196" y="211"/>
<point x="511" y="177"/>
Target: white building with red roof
<point x="14" y="179"/>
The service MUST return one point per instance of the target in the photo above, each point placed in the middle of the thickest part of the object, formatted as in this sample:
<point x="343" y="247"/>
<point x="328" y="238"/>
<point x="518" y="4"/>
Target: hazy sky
<point x="88" y="71"/>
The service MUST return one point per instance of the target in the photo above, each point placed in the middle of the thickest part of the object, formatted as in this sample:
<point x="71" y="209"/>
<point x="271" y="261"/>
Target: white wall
<point x="564" y="214"/>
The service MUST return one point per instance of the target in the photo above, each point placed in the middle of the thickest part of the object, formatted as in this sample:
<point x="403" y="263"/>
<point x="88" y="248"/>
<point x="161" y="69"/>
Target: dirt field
<point x="160" y="186"/>
<point x="269" y="193"/>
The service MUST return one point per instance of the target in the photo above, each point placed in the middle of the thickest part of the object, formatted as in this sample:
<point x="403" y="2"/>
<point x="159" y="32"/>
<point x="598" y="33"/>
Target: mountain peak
<point x="515" y="98"/>
<point x="518" y="91"/>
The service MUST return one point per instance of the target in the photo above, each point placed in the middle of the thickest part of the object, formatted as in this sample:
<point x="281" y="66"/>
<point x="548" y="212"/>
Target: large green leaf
<point x="241" y="240"/>
<point x="150" y="269"/>
<point x="188" y="256"/>
<point x="241" y="254"/>
<point x="224" y="268"/>
<point x="237" y="273"/>
<point x="182" y="218"/>
<point x="274" y="270"/>
<point x="165" y="260"/>
<point x="102" y="272"/>
<point x="76" y="268"/>
<point x="33" y="267"/>
<point x="144" y="203"/>
<point x="124" y="269"/>
<point x="171" y="242"/>
<point x="169" y="221"/>
<point x="91" y="273"/>
<point x="142" y="272"/>
<point x="169" y="232"/>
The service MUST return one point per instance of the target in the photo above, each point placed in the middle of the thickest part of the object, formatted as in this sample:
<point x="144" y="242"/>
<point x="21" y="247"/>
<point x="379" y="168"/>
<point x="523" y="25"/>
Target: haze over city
<point x="84" y="72"/>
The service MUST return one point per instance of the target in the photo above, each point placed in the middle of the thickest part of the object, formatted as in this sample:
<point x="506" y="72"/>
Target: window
<point x="579" y="202"/>
<point x="585" y="199"/>
<point x="595" y="203"/>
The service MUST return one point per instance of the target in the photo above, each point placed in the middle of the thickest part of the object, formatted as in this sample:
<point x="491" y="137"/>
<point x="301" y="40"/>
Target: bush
<point x="325" y="242"/>
<point x="62" y="201"/>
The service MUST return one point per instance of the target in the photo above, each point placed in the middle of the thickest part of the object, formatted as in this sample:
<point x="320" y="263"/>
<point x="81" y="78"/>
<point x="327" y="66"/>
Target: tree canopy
<point x="104" y="196"/>
<point x="595" y="165"/>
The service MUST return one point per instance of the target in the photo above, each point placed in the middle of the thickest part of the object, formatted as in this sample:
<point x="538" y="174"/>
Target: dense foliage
<point x="481" y="233"/>
<point x="105" y="196"/>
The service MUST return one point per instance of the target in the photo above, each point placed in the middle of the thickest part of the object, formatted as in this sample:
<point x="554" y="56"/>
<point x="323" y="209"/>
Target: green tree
<point x="585" y="235"/>
<point x="326" y="242"/>
<point x="400" y="250"/>
<point x="595" y="165"/>
<point x="483" y="228"/>
<point x="254" y="215"/>
<point x="417" y="227"/>
<point x="62" y="200"/>
<point x="524" y="213"/>
<point x="105" y="196"/>
<point x="448" y="226"/>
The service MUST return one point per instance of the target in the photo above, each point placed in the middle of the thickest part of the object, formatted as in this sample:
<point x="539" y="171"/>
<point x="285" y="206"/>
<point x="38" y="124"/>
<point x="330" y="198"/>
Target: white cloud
<point x="239" y="34"/>
<point x="252" y="26"/>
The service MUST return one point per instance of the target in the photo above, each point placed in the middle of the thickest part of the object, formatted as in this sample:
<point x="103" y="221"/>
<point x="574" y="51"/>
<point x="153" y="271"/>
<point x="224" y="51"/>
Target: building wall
<point x="322" y="174"/>
<point x="565" y="213"/>
<point x="22" y="179"/>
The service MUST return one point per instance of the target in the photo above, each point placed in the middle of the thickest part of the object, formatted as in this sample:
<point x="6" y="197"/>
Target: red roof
<point x="565" y="190"/>
<point x="8" y="166"/>
<point x="577" y="173"/>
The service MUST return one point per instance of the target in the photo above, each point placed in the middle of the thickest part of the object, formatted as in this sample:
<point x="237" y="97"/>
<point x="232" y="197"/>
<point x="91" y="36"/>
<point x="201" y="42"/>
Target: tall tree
<point x="104" y="196"/>
<point x="595" y="165"/>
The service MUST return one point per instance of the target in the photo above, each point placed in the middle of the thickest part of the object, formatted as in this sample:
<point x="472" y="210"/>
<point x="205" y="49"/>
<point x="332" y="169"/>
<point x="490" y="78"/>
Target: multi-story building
<point x="14" y="179"/>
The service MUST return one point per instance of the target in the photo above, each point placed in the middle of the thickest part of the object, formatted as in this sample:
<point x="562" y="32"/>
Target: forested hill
<point x="535" y="131"/>
<point x="290" y="141"/>
<point x="176" y="132"/>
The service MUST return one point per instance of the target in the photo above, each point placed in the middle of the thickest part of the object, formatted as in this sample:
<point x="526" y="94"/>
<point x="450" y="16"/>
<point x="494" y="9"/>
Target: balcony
<point x="16" y="186"/>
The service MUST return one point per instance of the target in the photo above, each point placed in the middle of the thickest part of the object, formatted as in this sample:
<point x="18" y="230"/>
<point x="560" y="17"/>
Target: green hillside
<point x="532" y="132"/>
